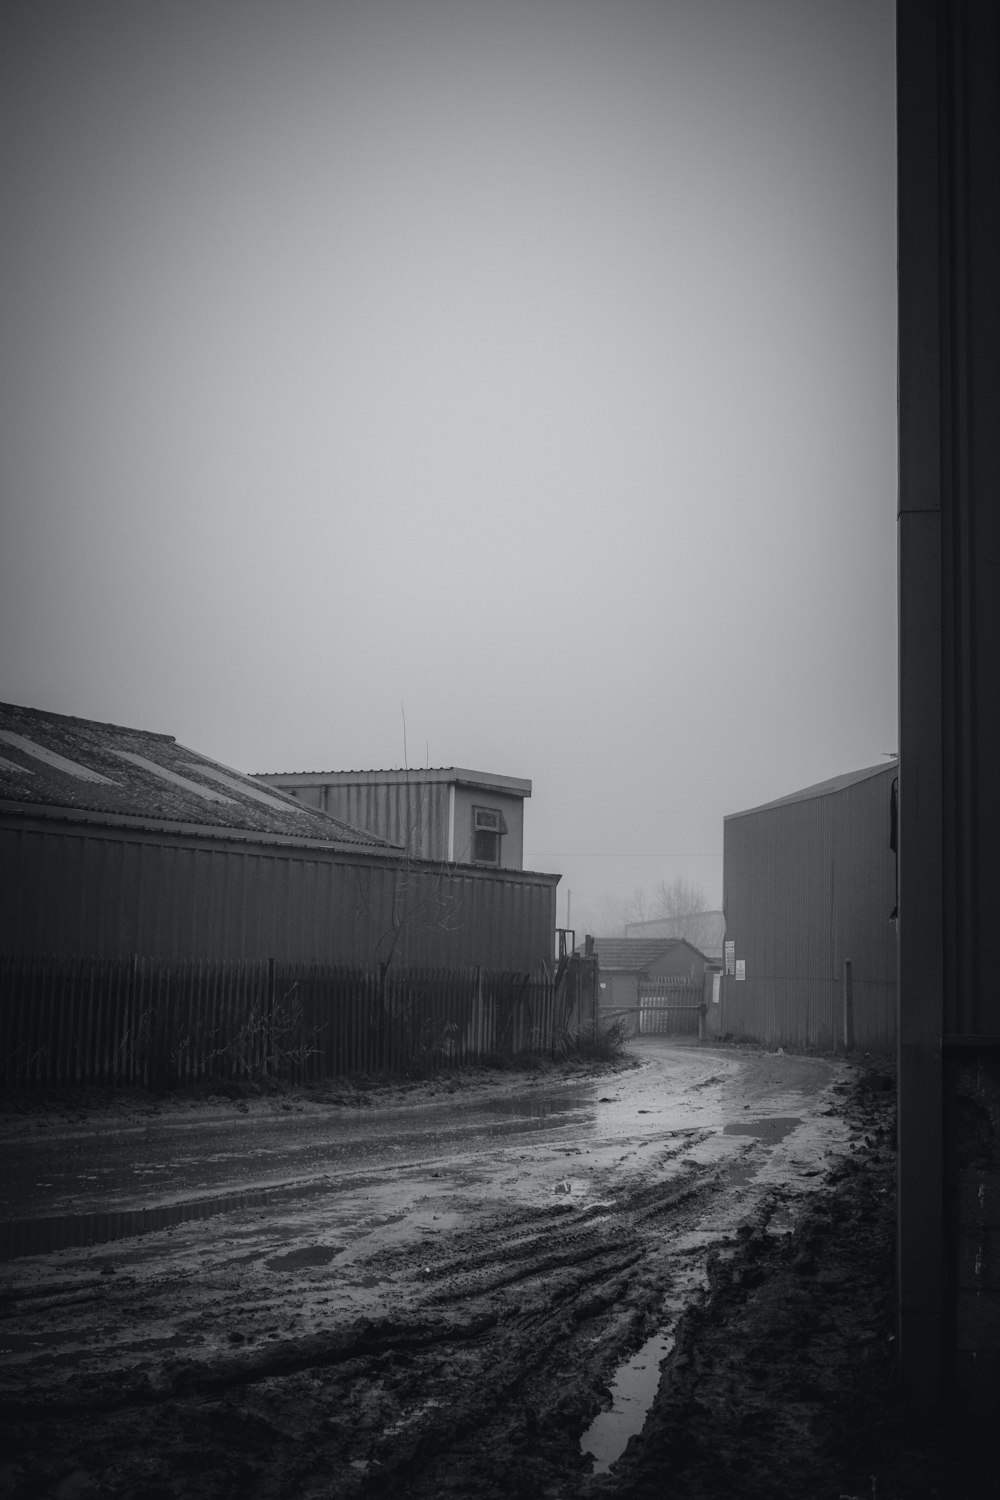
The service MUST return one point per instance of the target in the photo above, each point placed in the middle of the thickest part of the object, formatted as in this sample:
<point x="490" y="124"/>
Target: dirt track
<point x="451" y="1326"/>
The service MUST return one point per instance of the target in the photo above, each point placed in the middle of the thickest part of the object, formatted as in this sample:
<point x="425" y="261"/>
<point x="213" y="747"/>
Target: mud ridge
<point x="488" y="1349"/>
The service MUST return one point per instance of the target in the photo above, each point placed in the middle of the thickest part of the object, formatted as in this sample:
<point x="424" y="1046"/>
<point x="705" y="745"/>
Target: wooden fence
<point x="160" y="1023"/>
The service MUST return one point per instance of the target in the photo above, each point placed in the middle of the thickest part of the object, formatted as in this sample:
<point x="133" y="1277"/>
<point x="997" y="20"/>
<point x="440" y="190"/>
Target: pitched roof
<point x="635" y="954"/>
<point x="824" y="788"/>
<point x="53" y="763"/>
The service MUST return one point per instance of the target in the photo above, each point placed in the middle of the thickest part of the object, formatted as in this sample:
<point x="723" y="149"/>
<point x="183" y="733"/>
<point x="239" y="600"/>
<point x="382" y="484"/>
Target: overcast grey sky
<point x="528" y="363"/>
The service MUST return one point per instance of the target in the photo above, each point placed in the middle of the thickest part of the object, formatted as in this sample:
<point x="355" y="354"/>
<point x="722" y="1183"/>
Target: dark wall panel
<point x="68" y="890"/>
<point x="809" y="885"/>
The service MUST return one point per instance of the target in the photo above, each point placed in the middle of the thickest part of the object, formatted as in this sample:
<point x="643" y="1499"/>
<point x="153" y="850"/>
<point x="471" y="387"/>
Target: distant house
<point x="625" y="962"/>
<point x="118" y="841"/>
<point x="448" y="813"/>
<point x="810" y="895"/>
<point x="704" y="930"/>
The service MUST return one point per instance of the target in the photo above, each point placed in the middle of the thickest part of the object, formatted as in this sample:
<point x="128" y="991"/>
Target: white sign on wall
<point x="741" y="968"/>
<point x="730" y="956"/>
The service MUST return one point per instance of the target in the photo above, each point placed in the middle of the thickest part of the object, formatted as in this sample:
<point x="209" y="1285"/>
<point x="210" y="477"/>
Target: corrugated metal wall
<point x="73" y="889"/>
<point x="808" y="885"/>
<point x="412" y="814"/>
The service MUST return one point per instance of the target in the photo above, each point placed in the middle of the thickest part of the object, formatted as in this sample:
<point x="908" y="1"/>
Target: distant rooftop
<point x="53" y="763"/>
<point x="635" y="954"/>
<point x="704" y="930"/>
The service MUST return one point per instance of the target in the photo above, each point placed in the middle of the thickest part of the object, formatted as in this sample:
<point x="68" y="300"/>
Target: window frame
<point x="491" y="821"/>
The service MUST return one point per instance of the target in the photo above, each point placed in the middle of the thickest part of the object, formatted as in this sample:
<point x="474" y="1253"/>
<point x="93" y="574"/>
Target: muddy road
<point x="456" y="1292"/>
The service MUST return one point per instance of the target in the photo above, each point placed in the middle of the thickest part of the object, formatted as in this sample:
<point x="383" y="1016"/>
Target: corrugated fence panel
<point x="164" y="1023"/>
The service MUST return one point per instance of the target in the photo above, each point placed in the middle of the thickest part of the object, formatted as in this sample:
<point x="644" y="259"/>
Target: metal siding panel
<point x="119" y="893"/>
<point x="412" y="813"/>
<point x="104" y="877"/>
<point x="804" y="883"/>
<point x="777" y="908"/>
<point x="865" y="897"/>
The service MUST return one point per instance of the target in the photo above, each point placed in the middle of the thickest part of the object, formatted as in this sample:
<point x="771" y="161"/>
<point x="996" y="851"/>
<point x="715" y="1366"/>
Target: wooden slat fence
<point x="670" y="1006"/>
<point x="159" y="1023"/>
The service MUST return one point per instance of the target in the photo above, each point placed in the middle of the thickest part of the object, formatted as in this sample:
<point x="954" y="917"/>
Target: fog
<point x="503" y="385"/>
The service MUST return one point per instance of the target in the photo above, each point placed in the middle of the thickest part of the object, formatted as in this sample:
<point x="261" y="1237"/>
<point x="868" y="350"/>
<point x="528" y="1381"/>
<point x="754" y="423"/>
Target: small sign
<point x="731" y="956"/>
<point x="741" y="968"/>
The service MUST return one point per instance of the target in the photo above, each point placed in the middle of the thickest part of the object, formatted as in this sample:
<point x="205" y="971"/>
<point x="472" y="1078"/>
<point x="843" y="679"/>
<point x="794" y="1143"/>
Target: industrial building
<point x="118" y="841"/>
<point x="809" y="894"/>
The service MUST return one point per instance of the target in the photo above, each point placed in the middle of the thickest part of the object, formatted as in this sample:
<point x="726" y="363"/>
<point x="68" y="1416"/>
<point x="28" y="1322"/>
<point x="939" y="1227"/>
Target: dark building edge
<point x="948" y="116"/>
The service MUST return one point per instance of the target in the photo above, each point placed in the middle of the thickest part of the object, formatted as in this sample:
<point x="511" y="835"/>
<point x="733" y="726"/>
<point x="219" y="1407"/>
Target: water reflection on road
<point x="85" y="1186"/>
<point x="46" y="1182"/>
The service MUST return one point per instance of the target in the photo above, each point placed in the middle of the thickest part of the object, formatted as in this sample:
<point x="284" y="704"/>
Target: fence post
<point x="848" y="1004"/>
<point x="133" y="1009"/>
<point x="269" y="1020"/>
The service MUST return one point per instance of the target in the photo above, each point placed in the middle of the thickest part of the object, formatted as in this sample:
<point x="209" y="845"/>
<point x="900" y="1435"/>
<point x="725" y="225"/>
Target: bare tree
<point x="667" y="902"/>
<point x="679" y="898"/>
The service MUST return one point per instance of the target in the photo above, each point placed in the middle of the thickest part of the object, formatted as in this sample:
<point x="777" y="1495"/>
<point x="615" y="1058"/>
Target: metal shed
<point x="117" y="841"/>
<point x="443" y="813"/>
<point x="809" y="893"/>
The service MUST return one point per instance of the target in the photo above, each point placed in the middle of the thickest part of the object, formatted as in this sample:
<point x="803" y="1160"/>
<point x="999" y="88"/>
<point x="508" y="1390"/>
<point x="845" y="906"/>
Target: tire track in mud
<point x="549" y="1396"/>
<point x="492" y="1350"/>
<point x="514" y="1329"/>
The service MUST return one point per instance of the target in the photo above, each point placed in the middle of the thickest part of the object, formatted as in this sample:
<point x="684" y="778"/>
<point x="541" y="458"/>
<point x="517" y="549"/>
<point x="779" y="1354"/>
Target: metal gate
<point x="670" y="1006"/>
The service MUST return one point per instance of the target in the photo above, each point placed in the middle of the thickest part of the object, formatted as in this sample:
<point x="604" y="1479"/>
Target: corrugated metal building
<point x="443" y="813"/>
<point x="119" y="841"/>
<point x="809" y="894"/>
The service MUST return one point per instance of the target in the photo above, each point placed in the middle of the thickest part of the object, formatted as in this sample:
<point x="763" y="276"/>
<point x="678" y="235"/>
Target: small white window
<point x="488" y="825"/>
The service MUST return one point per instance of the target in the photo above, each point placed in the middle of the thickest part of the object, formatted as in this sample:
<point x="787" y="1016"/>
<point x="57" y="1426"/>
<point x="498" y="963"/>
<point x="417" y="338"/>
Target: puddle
<point x="41" y="1236"/>
<point x="541" y="1108"/>
<point x="632" y="1392"/>
<point x="295" y="1260"/>
<point x="46" y="1346"/>
<point x="31" y="1343"/>
<point x="771" y="1130"/>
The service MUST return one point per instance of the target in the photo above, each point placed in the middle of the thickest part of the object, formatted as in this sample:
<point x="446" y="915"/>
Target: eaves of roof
<point x="26" y="811"/>
<point x="488" y="781"/>
<point x="821" y="789"/>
